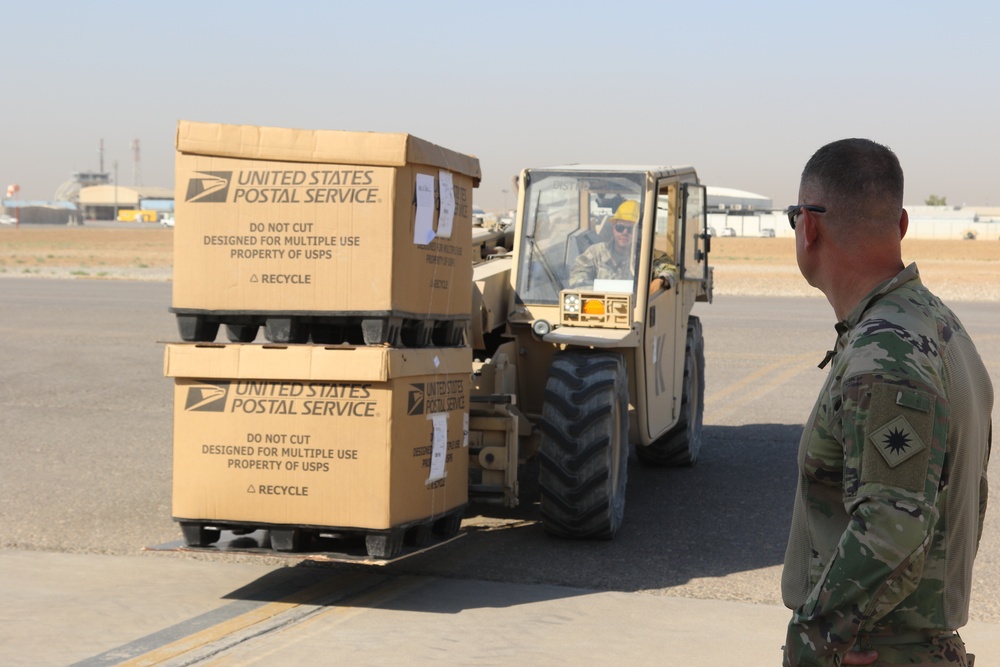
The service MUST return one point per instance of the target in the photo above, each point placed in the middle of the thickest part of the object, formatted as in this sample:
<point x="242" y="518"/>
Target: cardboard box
<point x="283" y="221"/>
<point x="363" y="438"/>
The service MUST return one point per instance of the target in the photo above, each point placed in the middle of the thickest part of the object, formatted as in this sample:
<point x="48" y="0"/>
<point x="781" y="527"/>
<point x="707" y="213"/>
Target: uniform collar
<point x="852" y="319"/>
<point x="904" y="276"/>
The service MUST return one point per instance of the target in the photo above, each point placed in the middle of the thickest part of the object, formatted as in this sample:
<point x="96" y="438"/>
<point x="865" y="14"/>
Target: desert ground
<point x="954" y="269"/>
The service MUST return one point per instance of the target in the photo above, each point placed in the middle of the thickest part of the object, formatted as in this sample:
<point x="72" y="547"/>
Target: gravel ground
<point x="954" y="270"/>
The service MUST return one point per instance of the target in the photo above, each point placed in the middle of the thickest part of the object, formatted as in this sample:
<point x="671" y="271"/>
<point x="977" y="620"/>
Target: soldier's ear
<point x="810" y="228"/>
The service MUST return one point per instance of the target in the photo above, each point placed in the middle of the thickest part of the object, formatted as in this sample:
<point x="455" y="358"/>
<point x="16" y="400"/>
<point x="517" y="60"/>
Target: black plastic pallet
<point x="303" y="540"/>
<point x="324" y="329"/>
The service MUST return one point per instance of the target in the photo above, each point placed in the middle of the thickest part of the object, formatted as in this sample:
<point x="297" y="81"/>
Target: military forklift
<point x="573" y="375"/>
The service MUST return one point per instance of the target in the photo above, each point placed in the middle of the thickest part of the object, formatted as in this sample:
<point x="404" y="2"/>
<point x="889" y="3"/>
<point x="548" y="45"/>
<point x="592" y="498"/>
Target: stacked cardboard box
<point x="323" y="229"/>
<point x="304" y="230"/>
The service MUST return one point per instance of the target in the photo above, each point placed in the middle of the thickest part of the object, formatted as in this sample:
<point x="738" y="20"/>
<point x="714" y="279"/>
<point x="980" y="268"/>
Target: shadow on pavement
<point x="728" y="514"/>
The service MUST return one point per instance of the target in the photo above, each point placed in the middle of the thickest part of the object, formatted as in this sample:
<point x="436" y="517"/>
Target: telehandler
<point x="576" y="374"/>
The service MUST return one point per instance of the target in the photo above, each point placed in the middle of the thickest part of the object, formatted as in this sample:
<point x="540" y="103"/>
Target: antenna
<point x="100" y="154"/>
<point x="136" y="171"/>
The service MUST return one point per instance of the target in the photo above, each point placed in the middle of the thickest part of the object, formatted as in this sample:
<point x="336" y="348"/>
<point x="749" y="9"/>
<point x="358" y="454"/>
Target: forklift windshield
<point x="582" y="231"/>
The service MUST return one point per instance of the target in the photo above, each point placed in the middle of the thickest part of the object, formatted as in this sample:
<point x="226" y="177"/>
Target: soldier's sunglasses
<point x="793" y="211"/>
<point x="623" y="228"/>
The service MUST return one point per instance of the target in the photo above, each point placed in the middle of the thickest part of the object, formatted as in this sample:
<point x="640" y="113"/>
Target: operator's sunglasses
<point x="623" y="228"/>
<point x="793" y="211"/>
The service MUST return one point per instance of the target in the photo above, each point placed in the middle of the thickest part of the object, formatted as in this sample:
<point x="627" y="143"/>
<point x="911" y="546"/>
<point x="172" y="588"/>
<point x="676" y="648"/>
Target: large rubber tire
<point x="681" y="445"/>
<point x="584" y="446"/>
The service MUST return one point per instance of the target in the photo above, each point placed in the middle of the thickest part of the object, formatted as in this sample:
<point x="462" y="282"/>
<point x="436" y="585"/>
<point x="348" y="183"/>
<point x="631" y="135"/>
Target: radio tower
<point x="100" y="155"/>
<point x="136" y="171"/>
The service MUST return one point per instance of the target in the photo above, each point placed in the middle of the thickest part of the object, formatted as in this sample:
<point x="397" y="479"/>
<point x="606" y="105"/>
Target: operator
<point x="892" y="488"/>
<point x="612" y="259"/>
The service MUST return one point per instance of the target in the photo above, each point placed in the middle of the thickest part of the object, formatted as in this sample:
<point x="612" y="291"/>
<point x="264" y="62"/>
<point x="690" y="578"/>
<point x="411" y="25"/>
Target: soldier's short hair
<point x="860" y="178"/>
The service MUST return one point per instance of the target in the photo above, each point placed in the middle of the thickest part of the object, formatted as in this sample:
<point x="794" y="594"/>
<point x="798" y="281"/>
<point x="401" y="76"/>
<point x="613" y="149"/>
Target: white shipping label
<point x="447" y="216"/>
<point x="423" y="225"/>
<point x="439" y="446"/>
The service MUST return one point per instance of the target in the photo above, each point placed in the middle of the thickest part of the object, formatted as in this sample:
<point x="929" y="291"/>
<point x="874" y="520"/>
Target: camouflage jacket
<point x="892" y="479"/>
<point x="600" y="262"/>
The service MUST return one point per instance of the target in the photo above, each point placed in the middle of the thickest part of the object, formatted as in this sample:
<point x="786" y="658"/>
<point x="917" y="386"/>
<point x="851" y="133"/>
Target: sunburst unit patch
<point x="896" y="441"/>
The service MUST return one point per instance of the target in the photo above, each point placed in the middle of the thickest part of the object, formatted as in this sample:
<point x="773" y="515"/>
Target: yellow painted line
<point x="796" y="362"/>
<point x="337" y="613"/>
<point x="209" y="635"/>
<point x="761" y="391"/>
<point x="263" y="613"/>
<point x="385" y="593"/>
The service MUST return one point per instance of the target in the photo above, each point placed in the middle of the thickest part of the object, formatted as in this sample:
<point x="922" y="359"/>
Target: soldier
<point x="613" y="259"/>
<point x="892" y="463"/>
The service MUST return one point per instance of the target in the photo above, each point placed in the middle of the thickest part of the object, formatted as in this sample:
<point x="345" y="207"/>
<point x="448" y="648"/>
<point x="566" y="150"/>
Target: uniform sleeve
<point x="664" y="268"/>
<point x="893" y="433"/>
<point x="584" y="269"/>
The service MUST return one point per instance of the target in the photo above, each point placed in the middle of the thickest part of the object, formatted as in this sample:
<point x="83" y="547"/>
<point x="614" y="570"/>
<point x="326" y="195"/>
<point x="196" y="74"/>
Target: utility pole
<point x="116" y="190"/>
<point x="136" y="171"/>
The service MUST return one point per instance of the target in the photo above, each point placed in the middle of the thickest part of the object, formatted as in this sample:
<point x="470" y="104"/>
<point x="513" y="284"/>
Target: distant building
<point x="101" y="202"/>
<point x="731" y="200"/>
<point x="41" y="212"/>
<point x="70" y="190"/>
<point x="734" y="212"/>
<point x="740" y="213"/>
<point x="953" y="222"/>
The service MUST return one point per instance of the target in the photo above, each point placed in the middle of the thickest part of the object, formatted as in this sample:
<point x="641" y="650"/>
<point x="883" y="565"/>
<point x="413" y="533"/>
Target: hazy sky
<point x="743" y="91"/>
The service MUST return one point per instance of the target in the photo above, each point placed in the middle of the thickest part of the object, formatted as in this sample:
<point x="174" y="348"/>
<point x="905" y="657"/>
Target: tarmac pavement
<point x="89" y="610"/>
<point x="691" y="579"/>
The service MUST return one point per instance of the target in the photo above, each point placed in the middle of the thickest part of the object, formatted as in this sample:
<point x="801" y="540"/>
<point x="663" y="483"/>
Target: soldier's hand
<point x="860" y="657"/>
<point x="660" y="282"/>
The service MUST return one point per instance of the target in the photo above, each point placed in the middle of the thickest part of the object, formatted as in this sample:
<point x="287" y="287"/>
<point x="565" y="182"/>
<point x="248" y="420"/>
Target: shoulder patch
<point x="897" y="441"/>
<point x="898" y="433"/>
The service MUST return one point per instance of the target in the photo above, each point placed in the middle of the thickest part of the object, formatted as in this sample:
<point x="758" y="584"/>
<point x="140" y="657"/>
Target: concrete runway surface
<point x="692" y="579"/>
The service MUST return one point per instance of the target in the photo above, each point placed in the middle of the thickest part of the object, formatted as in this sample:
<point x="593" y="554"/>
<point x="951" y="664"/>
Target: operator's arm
<point x="893" y="432"/>
<point x="664" y="274"/>
<point x="584" y="268"/>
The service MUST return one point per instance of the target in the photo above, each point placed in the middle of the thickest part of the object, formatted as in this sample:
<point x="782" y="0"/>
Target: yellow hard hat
<point x="628" y="211"/>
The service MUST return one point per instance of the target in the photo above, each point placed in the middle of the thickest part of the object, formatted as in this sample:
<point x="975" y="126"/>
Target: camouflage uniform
<point x="600" y="262"/>
<point x="892" y="487"/>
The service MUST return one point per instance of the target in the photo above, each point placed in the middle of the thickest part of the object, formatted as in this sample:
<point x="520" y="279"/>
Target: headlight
<point x="571" y="303"/>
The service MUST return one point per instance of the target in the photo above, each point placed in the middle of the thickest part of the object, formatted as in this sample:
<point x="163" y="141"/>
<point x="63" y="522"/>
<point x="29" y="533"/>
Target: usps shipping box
<point x="365" y="437"/>
<point x="276" y="220"/>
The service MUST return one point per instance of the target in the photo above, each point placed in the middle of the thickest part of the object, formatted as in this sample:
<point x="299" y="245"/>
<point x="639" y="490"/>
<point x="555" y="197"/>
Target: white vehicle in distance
<point x="767" y="233"/>
<point x="7" y="220"/>
<point x="728" y="231"/>
<point x="167" y="220"/>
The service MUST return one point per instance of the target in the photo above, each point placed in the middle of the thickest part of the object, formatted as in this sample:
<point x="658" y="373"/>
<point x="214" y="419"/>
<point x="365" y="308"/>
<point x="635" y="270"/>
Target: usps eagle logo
<point x="209" y="186"/>
<point x="415" y="400"/>
<point x="207" y="397"/>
